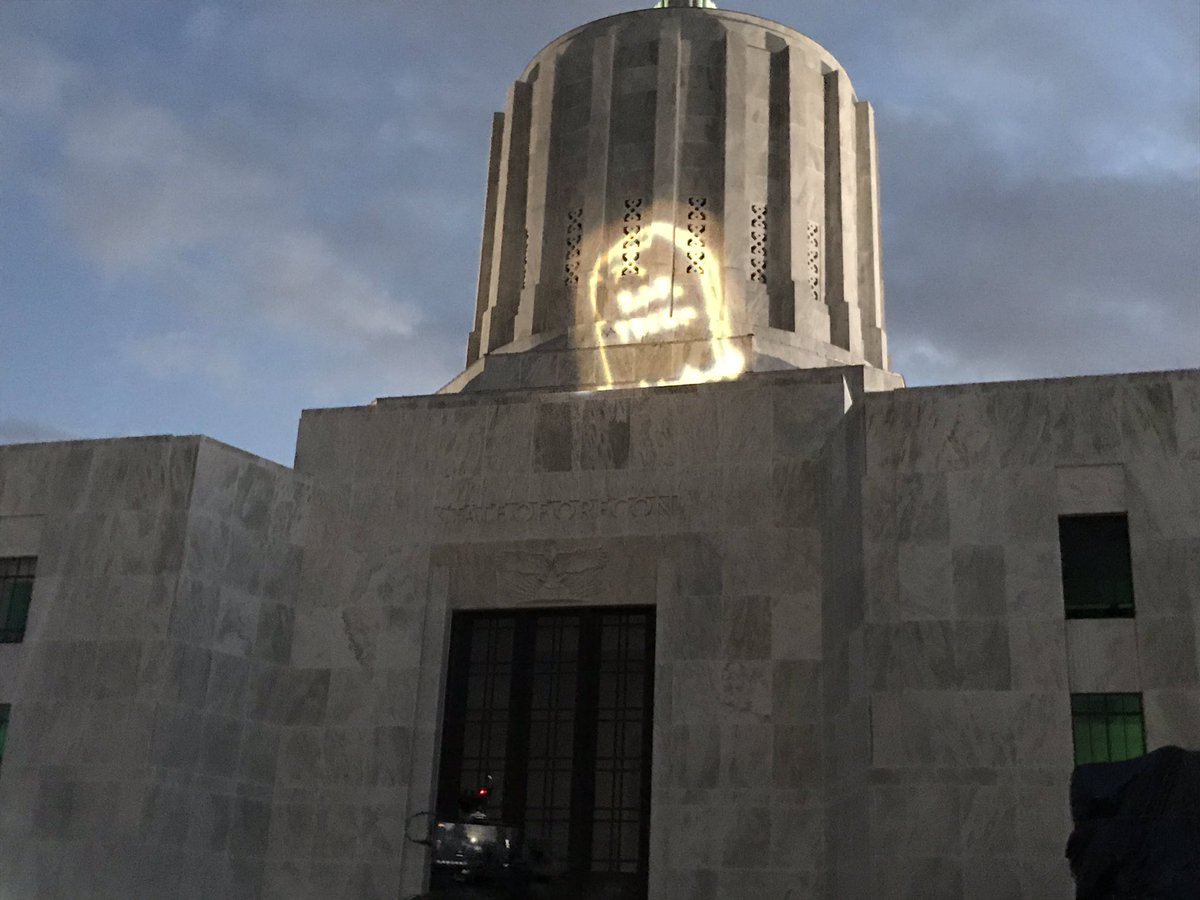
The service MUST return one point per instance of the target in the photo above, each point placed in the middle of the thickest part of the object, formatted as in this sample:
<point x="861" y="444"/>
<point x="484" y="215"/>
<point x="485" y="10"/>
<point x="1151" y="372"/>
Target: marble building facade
<point x="233" y="677"/>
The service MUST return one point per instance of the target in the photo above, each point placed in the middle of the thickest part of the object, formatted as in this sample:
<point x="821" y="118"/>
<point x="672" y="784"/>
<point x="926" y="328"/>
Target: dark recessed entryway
<point x="556" y="707"/>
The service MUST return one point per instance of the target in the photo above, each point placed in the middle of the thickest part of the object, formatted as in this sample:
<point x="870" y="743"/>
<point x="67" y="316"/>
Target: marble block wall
<point x="702" y="500"/>
<point x="964" y="655"/>
<point x="231" y="683"/>
<point x="146" y="695"/>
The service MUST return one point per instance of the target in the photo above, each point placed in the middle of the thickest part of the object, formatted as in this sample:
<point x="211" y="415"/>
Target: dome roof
<point x="675" y="199"/>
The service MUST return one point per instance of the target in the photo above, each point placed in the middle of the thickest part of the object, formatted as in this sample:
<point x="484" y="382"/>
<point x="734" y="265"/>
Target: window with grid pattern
<point x="485" y="716"/>
<point x="554" y="670"/>
<point x="1097" y="572"/>
<point x="567" y="698"/>
<point x="1107" y="727"/>
<point x="16" y="590"/>
<point x="620" y="738"/>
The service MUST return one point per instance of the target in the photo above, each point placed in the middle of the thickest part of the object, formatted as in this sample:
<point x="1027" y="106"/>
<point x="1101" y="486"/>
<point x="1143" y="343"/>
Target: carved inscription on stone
<point x="572" y="575"/>
<point x="562" y="510"/>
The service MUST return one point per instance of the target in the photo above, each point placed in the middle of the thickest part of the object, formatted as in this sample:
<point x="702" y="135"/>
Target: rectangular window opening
<point x="1097" y="572"/>
<point x="1107" y="727"/>
<point x="16" y="592"/>
<point x="4" y="712"/>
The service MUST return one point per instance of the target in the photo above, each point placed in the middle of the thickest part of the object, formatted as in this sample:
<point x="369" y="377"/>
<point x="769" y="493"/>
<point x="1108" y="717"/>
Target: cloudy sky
<point x="213" y="215"/>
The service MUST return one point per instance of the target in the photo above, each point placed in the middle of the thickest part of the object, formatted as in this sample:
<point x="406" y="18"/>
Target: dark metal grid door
<point x="568" y="742"/>
<point x="554" y="687"/>
<point x="482" y="677"/>
<point x="620" y="833"/>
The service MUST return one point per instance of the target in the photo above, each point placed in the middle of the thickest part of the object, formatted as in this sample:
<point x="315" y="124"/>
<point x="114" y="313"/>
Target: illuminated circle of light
<point x="656" y="307"/>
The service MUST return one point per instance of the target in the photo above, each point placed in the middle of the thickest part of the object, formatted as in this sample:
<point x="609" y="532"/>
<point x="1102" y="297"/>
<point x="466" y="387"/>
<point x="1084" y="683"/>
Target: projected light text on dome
<point x="681" y="300"/>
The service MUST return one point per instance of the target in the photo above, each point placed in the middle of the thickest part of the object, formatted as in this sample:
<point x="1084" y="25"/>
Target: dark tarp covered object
<point x="1137" y="828"/>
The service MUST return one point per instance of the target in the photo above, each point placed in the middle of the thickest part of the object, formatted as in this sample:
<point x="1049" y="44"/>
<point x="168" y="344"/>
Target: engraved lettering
<point x="561" y="510"/>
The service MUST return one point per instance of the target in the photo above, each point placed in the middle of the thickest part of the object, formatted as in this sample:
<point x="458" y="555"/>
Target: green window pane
<point x="1099" y="739"/>
<point x="1083" y="754"/>
<point x="1135" y="737"/>
<point x="1107" y="727"/>
<point x="1089" y="740"/>
<point x="1116" y="738"/>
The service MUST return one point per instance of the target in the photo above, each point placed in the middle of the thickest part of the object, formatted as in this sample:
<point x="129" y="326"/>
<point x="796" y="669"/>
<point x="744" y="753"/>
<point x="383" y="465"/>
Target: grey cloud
<point x="1061" y="85"/>
<point x="32" y="76"/>
<point x="148" y="197"/>
<point x="136" y="186"/>
<point x="178" y="354"/>
<point x="205" y="24"/>
<point x="992" y="275"/>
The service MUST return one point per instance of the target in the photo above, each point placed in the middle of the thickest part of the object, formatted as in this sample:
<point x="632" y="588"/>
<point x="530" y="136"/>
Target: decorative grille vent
<point x="758" y="242"/>
<point x="697" y="217"/>
<point x="814" y="261"/>
<point x="574" y="239"/>
<point x="631" y="247"/>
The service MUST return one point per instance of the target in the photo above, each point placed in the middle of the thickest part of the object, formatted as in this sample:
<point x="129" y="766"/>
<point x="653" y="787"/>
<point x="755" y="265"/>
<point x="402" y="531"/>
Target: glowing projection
<point x="682" y="300"/>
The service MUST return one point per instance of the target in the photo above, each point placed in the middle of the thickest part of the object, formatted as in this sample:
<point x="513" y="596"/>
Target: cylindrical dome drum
<point x="678" y="194"/>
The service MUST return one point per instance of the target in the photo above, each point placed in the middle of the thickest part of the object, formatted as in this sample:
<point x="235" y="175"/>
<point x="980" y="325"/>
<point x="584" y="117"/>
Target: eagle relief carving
<point x="557" y="576"/>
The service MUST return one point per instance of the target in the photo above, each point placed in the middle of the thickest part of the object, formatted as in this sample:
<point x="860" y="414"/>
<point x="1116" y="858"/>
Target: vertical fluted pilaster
<point x="841" y="237"/>
<point x="747" y="139"/>
<point x="780" y="280"/>
<point x="734" y="249"/>
<point x="596" y="201"/>
<point x="531" y="311"/>
<point x="807" y="185"/>
<point x="870" y="271"/>
<point x="508" y="248"/>
<point x="664" y="204"/>
<point x="489" y="236"/>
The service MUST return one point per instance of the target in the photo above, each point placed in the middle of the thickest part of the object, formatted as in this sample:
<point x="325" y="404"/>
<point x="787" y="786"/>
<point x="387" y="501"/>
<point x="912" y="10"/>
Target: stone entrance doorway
<point x="555" y="707"/>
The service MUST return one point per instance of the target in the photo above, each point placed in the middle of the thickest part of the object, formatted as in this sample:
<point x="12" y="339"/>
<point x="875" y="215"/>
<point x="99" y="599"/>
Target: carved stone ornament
<point x="555" y="577"/>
